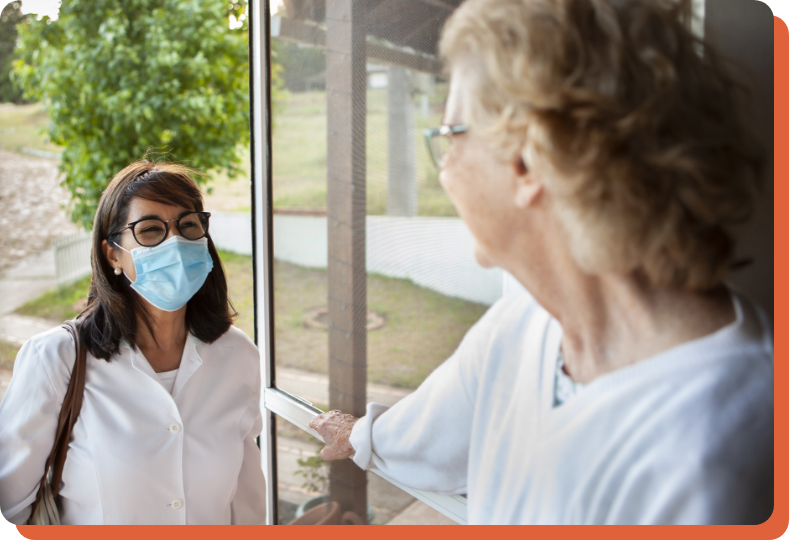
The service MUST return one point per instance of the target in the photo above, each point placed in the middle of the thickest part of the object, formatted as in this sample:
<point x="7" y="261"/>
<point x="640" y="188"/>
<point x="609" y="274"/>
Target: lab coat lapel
<point x="190" y="362"/>
<point x="140" y="363"/>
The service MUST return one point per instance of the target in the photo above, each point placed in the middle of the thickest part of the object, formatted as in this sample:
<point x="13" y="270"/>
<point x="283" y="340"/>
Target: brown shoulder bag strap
<point x="72" y="403"/>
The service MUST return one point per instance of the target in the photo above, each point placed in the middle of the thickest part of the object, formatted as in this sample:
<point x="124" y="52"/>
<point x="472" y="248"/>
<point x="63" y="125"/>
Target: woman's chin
<point x="482" y="258"/>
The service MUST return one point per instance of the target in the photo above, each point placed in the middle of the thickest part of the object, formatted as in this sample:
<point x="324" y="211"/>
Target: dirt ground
<point x="32" y="206"/>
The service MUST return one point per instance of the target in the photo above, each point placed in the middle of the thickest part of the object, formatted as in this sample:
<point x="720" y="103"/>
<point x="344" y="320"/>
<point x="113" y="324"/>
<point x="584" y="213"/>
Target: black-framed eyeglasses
<point x="150" y="232"/>
<point x="439" y="140"/>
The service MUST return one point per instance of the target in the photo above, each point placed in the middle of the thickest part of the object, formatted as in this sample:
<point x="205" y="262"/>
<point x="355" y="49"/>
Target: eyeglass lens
<point x="151" y="232"/>
<point x="439" y="147"/>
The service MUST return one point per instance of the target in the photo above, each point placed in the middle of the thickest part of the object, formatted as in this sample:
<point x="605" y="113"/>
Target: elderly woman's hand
<point x="335" y="428"/>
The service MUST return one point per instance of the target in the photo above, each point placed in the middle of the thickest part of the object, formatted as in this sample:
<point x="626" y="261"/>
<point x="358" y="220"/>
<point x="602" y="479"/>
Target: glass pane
<point x="375" y="281"/>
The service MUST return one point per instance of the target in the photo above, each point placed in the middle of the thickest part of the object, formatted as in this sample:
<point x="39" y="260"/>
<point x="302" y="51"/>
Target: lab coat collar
<point x="190" y="362"/>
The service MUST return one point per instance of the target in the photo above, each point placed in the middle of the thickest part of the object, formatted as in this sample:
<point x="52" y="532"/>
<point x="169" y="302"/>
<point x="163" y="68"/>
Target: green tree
<point x="9" y="18"/>
<point x="118" y="77"/>
<point x="299" y="65"/>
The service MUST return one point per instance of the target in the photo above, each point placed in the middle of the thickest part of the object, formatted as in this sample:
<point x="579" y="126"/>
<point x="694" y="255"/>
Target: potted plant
<point x="315" y="473"/>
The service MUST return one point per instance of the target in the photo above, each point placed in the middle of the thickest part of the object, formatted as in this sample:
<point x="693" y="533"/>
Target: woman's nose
<point x="172" y="229"/>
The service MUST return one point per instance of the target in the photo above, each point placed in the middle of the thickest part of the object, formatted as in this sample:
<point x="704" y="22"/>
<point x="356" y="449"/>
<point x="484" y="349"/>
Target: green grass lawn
<point x="299" y="155"/>
<point x="56" y="305"/>
<point x="239" y="282"/>
<point x="422" y="328"/>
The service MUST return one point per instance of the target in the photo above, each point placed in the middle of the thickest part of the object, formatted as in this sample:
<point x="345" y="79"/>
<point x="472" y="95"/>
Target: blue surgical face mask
<point x="169" y="274"/>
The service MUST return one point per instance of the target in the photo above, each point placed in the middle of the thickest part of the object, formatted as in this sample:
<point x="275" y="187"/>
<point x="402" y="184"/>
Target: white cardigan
<point x="138" y="455"/>
<point x="683" y="437"/>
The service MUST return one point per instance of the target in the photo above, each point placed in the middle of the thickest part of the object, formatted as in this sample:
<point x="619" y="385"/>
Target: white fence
<point x="72" y="257"/>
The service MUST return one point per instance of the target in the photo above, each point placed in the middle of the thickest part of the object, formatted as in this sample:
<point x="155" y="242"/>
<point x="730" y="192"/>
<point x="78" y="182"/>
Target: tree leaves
<point x="119" y="77"/>
<point x="10" y="16"/>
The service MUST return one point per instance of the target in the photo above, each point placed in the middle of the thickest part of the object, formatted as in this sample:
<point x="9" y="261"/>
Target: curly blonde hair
<point x="635" y="131"/>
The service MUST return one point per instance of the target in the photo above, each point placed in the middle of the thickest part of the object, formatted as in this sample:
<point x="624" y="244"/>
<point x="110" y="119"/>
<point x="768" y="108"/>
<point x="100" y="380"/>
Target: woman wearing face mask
<point x="170" y="413"/>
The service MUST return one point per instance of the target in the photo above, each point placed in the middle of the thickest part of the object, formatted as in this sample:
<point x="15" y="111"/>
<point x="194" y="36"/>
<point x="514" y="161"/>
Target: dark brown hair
<point x="113" y="306"/>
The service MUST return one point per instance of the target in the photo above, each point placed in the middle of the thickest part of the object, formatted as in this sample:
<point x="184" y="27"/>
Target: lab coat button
<point x="175" y="428"/>
<point x="177" y="503"/>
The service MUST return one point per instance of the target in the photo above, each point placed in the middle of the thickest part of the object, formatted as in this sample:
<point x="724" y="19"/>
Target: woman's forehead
<point x="139" y="207"/>
<point x="452" y="109"/>
<point x="459" y="82"/>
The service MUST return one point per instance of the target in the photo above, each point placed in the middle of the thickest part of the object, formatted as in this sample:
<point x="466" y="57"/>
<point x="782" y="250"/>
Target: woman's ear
<point x="112" y="256"/>
<point x="528" y="186"/>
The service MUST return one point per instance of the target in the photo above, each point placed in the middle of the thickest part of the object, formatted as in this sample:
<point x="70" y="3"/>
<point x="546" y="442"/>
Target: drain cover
<point x="319" y="318"/>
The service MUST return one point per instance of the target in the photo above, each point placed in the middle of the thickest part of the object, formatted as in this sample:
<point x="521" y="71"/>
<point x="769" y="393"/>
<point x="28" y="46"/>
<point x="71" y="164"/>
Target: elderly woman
<point x="598" y="157"/>
<point x="171" y="404"/>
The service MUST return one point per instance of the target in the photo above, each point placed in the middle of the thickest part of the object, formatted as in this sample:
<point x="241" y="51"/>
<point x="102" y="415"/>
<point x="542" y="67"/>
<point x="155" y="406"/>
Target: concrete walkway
<point x="16" y="329"/>
<point x="26" y="280"/>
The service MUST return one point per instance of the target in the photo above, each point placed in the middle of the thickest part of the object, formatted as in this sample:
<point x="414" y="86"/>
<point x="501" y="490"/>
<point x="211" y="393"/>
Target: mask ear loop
<point x="129" y="252"/>
<point x="123" y="248"/>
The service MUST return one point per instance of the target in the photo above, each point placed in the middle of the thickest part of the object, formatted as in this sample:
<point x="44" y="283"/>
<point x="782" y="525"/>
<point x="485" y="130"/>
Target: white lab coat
<point x="138" y="455"/>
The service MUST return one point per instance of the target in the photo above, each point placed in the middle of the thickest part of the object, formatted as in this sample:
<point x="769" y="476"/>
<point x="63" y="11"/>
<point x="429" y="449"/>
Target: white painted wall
<point x="231" y="231"/>
<point x="301" y="240"/>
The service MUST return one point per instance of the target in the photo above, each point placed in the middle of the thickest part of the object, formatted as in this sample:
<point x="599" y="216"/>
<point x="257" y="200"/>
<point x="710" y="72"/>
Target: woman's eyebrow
<point x="148" y="216"/>
<point x="156" y="216"/>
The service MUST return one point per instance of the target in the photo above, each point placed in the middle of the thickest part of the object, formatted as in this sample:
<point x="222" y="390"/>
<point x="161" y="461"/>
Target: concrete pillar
<point x="346" y="90"/>
<point x="401" y="190"/>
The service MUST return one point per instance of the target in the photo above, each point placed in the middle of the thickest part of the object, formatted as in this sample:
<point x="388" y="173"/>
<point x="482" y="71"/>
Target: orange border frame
<point x="773" y="528"/>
